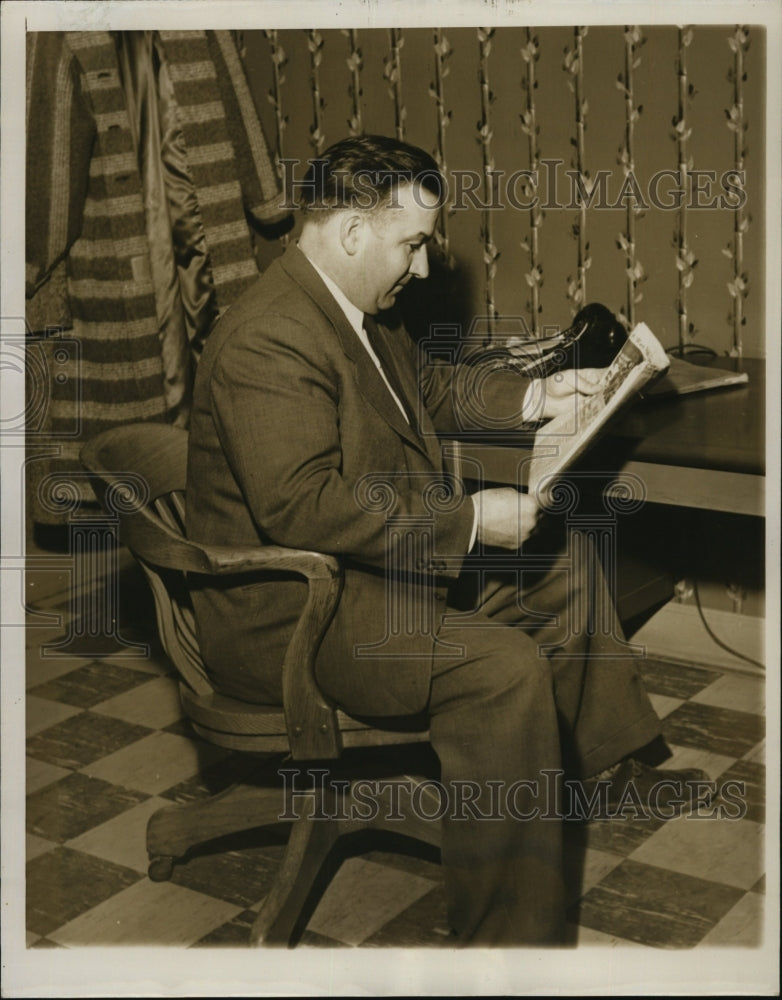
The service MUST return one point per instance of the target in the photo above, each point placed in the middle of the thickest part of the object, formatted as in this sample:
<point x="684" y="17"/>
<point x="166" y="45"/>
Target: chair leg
<point x="311" y="840"/>
<point x="173" y="830"/>
<point x="313" y="836"/>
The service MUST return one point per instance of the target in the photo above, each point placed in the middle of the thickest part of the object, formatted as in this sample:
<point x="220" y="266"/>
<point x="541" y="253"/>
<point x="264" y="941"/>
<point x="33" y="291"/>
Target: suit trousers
<point x="542" y="686"/>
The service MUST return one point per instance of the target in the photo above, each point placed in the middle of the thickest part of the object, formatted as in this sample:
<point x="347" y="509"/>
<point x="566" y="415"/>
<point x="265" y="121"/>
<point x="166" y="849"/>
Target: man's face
<point x="394" y="249"/>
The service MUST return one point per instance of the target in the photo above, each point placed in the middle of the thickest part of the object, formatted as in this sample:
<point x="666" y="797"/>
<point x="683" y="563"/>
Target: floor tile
<point x="154" y="703"/>
<point x="726" y="851"/>
<point x="677" y="680"/>
<point x="155" y="762"/>
<point x="737" y="691"/>
<point x="45" y="943"/>
<point x="757" y="754"/>
<point x="423" y="924"/>
<point x="41" y="713"/>
<point x="713" y="764"/>
<point x="309" y="939"/>
<point x="35" y="846"/>
<point x="158" y="913"/>
<point x="362" y="897"/>
<point x="720" y="730"/>
<point x="82" y="739"/>
<point x="585" y="868"/>
<point x="242" y="876"/>
<point x="39" y="669"/>
<point x="654" y="906"/>
<point x="742" y="926"/>
<point x="396" y="851"/>
<point x="580" y="935"/>
<point x="233" y="934"/>
<point x="69" y="807"/>
<point x="155" y="662"/>
<point x="62" y="884"/>
<point x="38" y="637"/>
<point x="663" y="704"/>
<point x="91" y="683"/>
<point x="39" y="774"/>
<point x="616" y="836"/>
<point x="181" y="727"/>
<point x="121" y="839"/>
<point x="750" y="790"/>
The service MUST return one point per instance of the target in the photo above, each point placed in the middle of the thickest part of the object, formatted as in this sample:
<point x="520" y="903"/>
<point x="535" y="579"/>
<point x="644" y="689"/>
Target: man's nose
<point x="420" y="264"/>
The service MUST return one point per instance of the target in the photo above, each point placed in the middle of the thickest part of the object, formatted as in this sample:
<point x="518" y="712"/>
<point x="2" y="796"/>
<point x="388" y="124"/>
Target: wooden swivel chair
<point x="139" y="474"/>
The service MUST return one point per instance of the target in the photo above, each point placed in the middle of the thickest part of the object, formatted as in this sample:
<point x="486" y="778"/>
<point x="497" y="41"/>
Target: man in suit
<point x="315" y="427"/>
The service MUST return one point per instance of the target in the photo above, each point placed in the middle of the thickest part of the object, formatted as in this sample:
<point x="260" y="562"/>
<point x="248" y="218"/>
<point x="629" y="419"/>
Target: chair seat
<point x="241" y="725"/>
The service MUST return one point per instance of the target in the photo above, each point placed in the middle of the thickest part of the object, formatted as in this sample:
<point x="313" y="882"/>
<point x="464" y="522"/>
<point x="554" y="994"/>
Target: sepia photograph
<point x="390" y="498"/>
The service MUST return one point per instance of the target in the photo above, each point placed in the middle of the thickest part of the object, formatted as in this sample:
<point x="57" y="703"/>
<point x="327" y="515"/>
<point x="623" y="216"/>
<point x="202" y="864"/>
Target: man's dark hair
<point x="365" y="172"/>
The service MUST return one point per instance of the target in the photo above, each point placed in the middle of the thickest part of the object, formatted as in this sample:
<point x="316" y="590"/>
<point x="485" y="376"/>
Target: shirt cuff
<point x="474" y="534"/>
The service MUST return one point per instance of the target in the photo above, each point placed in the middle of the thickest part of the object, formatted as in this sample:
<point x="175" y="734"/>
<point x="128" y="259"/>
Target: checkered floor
<point x="107" y="746"/>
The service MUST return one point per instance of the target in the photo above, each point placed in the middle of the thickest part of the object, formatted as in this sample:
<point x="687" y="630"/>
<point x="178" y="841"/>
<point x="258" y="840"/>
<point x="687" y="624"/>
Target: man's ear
<point x="351" y="231"/>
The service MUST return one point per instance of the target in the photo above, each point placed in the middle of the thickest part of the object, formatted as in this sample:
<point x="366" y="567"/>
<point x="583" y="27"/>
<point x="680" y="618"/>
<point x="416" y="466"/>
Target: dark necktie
<point x="389" y="370"/>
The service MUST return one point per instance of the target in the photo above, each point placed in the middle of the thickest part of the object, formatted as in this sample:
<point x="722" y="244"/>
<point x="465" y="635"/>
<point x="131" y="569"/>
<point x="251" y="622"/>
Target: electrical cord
<point x="719" y="642"/>
<point x="681" y="351"/>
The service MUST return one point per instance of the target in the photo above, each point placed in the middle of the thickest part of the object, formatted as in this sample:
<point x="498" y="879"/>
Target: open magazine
<point x="562" y="440"/>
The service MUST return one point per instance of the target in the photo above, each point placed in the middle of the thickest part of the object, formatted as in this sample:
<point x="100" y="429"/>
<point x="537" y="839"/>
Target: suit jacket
<point x="295" y="440"/>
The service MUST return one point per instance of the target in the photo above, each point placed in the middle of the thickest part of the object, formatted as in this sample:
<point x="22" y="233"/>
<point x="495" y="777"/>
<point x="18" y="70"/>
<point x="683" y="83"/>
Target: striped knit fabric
<point x="85" y="206"/>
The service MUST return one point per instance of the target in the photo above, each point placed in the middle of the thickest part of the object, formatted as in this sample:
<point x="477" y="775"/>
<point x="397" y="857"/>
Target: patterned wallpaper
<point x="613" y="164"/>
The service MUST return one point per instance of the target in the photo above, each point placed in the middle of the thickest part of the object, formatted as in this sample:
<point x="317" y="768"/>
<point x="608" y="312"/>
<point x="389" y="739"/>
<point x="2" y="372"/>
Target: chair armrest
<point x="156" y="543"/>
<point x="222" y="560"/>
<point x="311" y="720"/>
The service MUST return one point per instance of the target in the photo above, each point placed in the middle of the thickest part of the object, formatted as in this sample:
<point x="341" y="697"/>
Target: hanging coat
<point x="95" y="251"/>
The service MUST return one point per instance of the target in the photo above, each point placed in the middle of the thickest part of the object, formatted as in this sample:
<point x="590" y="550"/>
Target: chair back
<point x="139" y="472"/>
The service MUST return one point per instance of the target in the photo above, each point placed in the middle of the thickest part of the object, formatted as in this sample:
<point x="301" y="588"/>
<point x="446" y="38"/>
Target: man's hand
<point x="506" y="518"/>
<point x="563" y="390"/>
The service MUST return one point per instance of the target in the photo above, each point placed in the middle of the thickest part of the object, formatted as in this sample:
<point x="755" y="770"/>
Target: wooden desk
<point x="704" y="450"/>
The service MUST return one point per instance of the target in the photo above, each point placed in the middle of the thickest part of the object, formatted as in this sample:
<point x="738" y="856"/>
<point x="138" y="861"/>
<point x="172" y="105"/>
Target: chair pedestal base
<point x="319" y="818"/>
<point x="173" y="830"/>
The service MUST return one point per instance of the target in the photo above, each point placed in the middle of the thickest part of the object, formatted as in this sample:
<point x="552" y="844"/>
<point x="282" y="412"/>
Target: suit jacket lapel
<point x="408" y="382"/>
<point x="369" y="380"/>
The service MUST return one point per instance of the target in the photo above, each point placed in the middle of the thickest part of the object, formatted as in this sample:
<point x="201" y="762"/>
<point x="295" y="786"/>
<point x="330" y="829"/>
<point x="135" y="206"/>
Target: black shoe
<point x="662" y="793"/>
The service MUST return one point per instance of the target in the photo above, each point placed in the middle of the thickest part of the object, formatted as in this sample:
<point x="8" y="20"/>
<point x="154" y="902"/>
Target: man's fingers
<point x="563" y="389"/>
<point x="589" y="379"/>
<point x="572" y="380"/>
